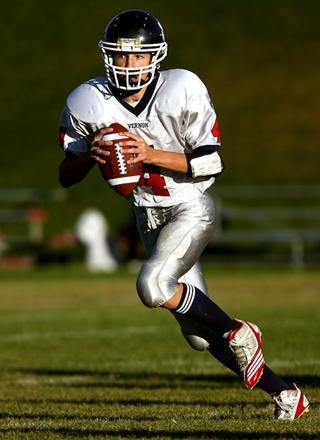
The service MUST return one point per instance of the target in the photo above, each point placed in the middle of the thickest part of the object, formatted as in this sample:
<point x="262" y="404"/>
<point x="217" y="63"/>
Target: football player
<point x="172" y="128"/>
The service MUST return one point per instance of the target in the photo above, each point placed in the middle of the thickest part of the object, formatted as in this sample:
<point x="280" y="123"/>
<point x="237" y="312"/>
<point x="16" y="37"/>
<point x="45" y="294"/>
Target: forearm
<point x="170" y="160"/>
<point x="205" y="162"/>
<point x="73" y="169"/>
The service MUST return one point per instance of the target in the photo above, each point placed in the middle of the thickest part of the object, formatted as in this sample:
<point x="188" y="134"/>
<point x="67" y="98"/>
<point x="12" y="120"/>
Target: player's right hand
<point x="97" y="150"/>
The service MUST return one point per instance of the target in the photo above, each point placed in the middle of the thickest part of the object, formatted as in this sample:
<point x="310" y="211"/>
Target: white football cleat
<point x="245" y="342"/>
<point x="290" y="404"/>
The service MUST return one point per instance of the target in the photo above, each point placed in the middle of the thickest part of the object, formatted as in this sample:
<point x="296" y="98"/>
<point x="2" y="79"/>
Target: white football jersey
<point x="175" y="114"/>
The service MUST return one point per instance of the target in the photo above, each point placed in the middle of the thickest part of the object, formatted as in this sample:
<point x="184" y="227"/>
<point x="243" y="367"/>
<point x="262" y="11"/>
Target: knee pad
<point x="195" y="334"/>
<point x="154" y="288"/>
<point x="196" y="342"/>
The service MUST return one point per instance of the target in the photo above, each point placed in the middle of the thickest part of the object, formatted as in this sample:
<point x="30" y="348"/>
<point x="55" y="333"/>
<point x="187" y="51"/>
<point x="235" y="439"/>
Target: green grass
<point x="82" y="358"/>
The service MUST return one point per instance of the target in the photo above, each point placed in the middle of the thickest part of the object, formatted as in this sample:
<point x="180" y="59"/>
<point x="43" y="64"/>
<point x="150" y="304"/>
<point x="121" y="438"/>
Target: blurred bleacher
<point x="257" y="223"/>
<point x="280" y="221"/>
<point x="23" y="216"/>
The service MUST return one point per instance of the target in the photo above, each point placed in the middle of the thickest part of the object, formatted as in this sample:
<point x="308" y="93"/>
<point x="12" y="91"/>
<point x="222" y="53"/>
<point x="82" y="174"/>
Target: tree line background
<point x="260" y="61"/>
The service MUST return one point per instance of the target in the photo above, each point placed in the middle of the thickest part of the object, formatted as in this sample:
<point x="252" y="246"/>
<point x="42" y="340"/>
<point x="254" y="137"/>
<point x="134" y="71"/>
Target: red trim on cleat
<point x="303" y="404"/>
<point x="290" y="404"/>
<point x="245" y="342"/>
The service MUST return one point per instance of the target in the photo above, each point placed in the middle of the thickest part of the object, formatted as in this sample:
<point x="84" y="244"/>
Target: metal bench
<point x="269" y="215"/>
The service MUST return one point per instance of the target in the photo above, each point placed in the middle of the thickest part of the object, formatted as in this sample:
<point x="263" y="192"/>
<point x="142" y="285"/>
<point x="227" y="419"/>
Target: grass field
<point x="82" y="358"/>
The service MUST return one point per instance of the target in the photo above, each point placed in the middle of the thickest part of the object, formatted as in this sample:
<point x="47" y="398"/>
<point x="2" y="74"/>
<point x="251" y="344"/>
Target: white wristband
<point x="206" y="165"/>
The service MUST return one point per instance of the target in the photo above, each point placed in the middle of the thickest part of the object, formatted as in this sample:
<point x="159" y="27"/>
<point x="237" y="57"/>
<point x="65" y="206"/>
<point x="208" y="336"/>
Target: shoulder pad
<point x="185" y="80"/>
<point x="86" y="103"/>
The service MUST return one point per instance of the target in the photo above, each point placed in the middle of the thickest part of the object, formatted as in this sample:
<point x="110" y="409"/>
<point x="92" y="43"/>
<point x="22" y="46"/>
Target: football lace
<point x="120" y="160"/>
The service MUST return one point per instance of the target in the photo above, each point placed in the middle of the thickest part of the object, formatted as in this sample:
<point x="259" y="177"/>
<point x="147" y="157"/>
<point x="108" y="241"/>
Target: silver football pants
<point x="174" y="238"/>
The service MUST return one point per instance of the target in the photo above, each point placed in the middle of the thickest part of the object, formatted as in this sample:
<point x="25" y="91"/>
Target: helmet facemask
<point x="131" y="78"/>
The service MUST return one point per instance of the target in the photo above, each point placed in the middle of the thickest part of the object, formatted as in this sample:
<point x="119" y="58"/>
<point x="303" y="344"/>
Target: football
<point x="121" y="177"/>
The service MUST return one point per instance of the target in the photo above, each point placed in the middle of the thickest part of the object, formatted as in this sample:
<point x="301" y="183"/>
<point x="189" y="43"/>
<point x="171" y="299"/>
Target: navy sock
<point x="219" y="348"/>
<point x="196" y="305"/>
<point x="271" y="383"/>
<point x="199" y="307"/>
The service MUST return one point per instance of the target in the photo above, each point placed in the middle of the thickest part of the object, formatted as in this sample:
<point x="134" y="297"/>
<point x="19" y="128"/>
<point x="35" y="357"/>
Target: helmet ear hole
<point x="134" y="30"/>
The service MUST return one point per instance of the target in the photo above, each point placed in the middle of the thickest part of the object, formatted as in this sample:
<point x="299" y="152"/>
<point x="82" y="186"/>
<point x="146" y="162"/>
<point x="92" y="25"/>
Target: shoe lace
<point x="241" y="356"/>
<point x="242" y="351"/>
<point x="285" y="403"/>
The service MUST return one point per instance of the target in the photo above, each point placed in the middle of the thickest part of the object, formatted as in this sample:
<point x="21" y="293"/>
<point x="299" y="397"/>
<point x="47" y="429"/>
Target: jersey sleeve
<point x="74" y="137"/>
<point x="200" y="118"/>
<point x="202" y="133"/>
<point x="82" y="112"/>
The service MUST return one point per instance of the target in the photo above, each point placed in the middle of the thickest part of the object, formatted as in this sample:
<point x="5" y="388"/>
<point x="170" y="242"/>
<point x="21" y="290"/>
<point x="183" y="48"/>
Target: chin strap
<point x="120" y="93"/>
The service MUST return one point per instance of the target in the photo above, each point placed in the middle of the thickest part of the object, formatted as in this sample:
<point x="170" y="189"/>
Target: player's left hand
<point x="137" y="145"/>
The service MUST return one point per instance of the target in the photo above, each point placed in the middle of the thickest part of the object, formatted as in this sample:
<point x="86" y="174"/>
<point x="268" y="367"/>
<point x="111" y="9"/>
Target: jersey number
<point x="152" y="179"/>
